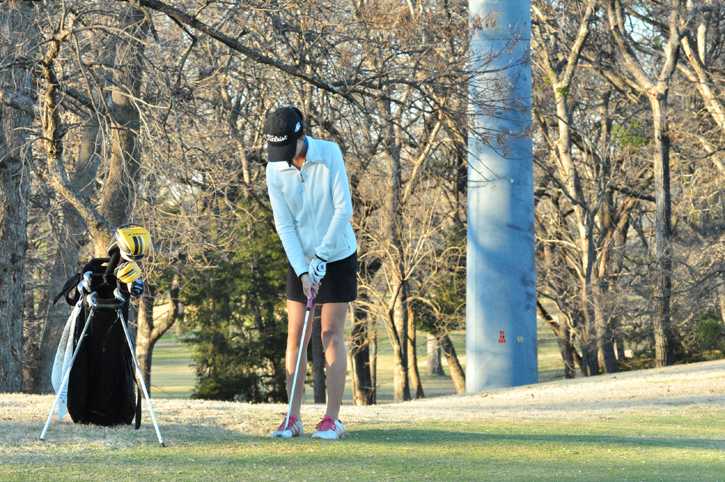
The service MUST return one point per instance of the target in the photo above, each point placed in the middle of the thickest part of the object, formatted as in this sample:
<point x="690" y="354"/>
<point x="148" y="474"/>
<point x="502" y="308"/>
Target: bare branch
<point x="576" y="49"/>
<point x="179" y="16"/>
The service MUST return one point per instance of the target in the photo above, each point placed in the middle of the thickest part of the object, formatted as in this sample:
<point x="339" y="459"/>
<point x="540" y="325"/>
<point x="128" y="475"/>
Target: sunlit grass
<point x="623" y="447"/>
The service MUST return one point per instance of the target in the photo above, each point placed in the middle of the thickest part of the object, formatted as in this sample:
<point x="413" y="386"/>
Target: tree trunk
<point x="588" y="363"/>
<point x="16" y="24"/>
<point x="620" y="245"/>
<point x="363" y="391"/>
<point x="566" y="348"/>
<point x="150" y="330"/>
<point x="145" y="340"/>
<point x="373" y="343"/>
<point x="401" y="380"/>
<point x="397" y="329"/>
<point x="588" y="331"/>
<point x="663" y="232"/>
<point x="416" y="384"/>
<point x="396" y="321"/>
<point x="415" y="381"/>
<point x="117" y="198"/>
<point x="317" y="359"/>
<point x="454" y="365"/>
<point x="563" y="339"/>
<point x="605" y="341"/>
<point x="14" y="190"/>
<point x="32" y="326"/>
<point x="433" y="359"/>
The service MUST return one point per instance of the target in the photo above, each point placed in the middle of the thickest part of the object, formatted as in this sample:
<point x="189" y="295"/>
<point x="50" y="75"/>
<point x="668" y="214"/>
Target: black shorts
<point x="338" y="286"/>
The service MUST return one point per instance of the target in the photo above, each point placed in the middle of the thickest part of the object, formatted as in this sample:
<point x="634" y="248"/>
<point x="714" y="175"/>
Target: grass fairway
<point x="666" y="424"/>
<point x="172" y="375"/>
<point x="661" y="449"/>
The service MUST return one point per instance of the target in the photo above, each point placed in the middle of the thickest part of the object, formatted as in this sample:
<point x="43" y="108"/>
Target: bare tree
<point x="595" y="336"/>
<point x="18" y="44"/>
<point x="656" y="90"/>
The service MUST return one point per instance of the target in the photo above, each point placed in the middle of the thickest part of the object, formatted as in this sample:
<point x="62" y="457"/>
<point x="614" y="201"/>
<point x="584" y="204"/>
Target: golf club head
<point x="285" y="434"/>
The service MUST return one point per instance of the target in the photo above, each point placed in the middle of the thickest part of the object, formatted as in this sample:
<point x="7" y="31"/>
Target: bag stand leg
<point x="139" y="377"/>
<point x="66" y="376"/>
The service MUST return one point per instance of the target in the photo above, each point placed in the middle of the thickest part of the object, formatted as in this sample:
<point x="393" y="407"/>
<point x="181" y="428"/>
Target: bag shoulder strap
<point x="69" y="286"/>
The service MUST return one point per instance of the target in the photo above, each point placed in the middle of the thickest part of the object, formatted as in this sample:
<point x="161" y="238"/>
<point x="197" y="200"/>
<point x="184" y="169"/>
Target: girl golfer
<point x="310" y="197"/>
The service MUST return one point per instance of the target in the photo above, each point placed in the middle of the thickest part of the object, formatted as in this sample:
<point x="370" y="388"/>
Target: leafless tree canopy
<point x="151" y="111"/>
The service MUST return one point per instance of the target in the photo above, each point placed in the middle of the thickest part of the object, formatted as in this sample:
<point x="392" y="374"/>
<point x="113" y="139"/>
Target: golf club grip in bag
<point x="102" y="388"/>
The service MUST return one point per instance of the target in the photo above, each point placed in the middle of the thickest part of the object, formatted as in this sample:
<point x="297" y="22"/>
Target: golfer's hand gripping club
<point x="317" y="270"/>
<point x="308" y="287"/>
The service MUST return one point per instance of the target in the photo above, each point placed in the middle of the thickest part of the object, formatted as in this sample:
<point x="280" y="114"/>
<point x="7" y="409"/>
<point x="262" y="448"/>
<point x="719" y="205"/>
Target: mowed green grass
<point x="688" y="447"/>
<point x="173" y="374"/>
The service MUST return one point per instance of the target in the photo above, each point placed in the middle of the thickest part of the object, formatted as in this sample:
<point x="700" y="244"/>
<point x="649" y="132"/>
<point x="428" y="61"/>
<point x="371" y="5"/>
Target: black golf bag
<point x="101" y="388"/>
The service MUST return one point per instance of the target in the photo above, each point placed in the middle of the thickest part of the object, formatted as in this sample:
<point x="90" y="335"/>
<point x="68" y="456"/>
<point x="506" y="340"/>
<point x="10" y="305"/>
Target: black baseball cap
<point x="282" y="128"/>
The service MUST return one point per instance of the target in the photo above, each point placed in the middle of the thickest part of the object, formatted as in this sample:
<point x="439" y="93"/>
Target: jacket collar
<point x="312" y="156"/>
<point x="313" y="150"/>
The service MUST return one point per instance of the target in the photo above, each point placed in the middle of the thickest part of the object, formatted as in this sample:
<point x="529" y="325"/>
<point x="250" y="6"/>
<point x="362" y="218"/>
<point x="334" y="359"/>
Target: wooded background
<point x="151" y="112"/>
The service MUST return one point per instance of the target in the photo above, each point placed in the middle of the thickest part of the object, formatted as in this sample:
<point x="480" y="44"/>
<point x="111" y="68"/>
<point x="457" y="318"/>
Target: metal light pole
<point x="501" y="278"/>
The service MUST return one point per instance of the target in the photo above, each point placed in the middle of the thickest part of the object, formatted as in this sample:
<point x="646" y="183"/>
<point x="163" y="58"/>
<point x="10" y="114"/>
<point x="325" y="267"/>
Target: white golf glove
<point x="317" y="270"/>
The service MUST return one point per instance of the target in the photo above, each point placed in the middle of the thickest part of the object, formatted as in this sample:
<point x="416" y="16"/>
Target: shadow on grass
<point x="604" y="406"/>
<point x="16" y="434"/>
<point x="450" y="438"/>
<point x="207" y="431"/>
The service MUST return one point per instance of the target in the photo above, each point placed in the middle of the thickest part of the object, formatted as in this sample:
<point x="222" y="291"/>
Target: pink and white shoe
<point x="293" y="429"/>
<point x="329" y="429"/>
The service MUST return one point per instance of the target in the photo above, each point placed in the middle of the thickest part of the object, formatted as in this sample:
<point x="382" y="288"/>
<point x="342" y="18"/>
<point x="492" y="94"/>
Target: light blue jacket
<point x="312" y="206"/>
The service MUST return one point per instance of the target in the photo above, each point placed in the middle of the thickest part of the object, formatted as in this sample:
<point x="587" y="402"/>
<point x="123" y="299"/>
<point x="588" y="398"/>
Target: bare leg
<point x="295" y="320"/>
<point x="333" y="341"/>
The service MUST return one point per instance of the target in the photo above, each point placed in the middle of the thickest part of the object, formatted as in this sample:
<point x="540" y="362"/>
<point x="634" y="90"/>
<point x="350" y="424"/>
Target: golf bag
<point x="101" y="387"/>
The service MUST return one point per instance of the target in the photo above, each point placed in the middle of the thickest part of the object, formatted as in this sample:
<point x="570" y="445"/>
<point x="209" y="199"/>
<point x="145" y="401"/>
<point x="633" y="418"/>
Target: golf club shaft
<point x="300" y="348"/>
<point x="297" y="368"/>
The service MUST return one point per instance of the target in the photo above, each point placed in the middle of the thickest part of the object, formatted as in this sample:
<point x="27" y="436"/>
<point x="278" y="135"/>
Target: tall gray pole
<point x="501" y="280"/>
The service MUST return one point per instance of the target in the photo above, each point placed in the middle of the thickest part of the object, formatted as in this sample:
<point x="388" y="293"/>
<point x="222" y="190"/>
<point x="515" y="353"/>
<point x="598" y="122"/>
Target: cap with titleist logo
<point x="282" y="128"/>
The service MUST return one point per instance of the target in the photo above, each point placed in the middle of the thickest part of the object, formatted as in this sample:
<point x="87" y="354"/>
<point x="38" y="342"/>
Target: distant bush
<point x="702" y="338"/>
<point x="710" y="333"/>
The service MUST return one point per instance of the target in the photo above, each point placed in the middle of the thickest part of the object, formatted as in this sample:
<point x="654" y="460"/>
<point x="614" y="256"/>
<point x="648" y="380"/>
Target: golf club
<point x="308" y="309"/>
